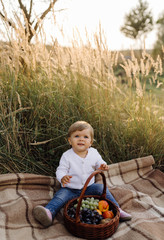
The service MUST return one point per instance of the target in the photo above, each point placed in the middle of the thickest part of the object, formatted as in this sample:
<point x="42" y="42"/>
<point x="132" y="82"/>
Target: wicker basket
<point x="91" y="231"/>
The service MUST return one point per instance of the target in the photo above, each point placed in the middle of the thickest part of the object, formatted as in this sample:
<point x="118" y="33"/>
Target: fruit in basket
<point x="92" y="211"/>
<point x="99" y="211"/>
<point x="105" y="220"/>
<point x="86" y="215"/>
<point x="90" y="216"/>
<point x="103" y="206"/>
<point x="72" y="212"/>
<point x="108" y="214"/>
<point x="90" y="203"/>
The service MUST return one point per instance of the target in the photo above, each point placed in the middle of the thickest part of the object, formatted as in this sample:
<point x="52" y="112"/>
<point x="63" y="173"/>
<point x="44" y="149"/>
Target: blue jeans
<point x="65" y="194"/>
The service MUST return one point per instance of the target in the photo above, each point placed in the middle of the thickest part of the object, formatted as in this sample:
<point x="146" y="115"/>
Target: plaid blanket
<point x="137" y="187"/>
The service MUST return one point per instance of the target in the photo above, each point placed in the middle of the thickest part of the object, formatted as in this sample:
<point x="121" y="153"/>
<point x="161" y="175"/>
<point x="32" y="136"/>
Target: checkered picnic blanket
<point x="137" y="187"/>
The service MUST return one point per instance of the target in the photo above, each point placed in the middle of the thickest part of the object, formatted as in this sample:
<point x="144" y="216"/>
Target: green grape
<point x="89" y="203"/>
<point x="92" y="207"/>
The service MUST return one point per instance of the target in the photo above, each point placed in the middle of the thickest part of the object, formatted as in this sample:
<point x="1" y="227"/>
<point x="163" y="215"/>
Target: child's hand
<point x="104" y="167"/>
<point x="65" y="180"/>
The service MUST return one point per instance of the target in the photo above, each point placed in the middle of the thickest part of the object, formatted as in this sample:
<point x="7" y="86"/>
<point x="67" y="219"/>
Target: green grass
<point x="37" y="106"/>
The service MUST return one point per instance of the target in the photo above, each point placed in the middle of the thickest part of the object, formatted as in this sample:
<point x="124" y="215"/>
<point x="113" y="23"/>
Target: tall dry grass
<point x="45" y="89"/>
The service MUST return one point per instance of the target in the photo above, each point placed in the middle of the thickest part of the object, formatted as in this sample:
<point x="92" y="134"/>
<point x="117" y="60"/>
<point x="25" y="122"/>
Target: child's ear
<point x="69" y="140"/>
<point x="91" y="143"/>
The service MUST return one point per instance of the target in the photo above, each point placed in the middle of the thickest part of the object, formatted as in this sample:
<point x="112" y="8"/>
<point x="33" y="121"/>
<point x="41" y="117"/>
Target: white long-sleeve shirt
<point x="79" y="168"/>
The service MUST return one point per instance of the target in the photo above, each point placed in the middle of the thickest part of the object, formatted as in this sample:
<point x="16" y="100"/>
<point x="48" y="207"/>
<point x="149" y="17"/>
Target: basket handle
<point x="103" y="196"/>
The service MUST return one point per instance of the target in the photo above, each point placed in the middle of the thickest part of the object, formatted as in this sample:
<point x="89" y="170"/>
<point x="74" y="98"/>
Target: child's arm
<point x="62" y="170"/>
<point x="100" y="163"/>
<point x="104" y="167"/>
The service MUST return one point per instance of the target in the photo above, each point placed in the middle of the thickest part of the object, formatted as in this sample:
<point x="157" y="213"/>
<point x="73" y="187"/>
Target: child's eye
<point x="85" y="136"/>
<point x="76" y="136"/>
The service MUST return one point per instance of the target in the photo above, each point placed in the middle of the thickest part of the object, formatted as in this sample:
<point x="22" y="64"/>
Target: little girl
<point x="75" y="166"/>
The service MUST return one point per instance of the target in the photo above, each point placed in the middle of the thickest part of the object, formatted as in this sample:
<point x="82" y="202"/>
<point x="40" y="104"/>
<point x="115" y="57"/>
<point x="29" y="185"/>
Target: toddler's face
<point x="80" y="141"/>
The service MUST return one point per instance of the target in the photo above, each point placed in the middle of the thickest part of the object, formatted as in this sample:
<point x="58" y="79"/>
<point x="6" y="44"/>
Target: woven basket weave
<point x="91" y="231"/>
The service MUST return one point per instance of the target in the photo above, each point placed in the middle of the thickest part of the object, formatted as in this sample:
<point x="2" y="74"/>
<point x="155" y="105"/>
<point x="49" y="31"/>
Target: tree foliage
<point x="138" y="22"/>
<point x="160" y="37"/>
<point x="25" y="15"/>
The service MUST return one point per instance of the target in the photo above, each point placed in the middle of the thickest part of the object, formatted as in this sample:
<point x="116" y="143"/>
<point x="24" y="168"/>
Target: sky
<point x="88" y="14"/>
<point x="76" y="17"/>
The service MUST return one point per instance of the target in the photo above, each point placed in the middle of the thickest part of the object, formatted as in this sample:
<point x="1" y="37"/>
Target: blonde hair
<point x="80" y="126"/>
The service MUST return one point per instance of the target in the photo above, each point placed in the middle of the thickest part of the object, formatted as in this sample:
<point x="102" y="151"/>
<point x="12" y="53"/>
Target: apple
<point x="103" y="205"/>
<point x="108" y="214"/>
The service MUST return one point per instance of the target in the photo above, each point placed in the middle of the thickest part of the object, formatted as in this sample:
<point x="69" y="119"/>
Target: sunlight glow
<point x="88" y="14"/>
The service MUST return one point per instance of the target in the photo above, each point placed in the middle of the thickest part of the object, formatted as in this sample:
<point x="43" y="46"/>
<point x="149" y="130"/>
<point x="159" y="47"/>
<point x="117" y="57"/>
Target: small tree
<point x="157" y="50"/>
<point x="138" y="22"/>
<point x="26" y="15"/>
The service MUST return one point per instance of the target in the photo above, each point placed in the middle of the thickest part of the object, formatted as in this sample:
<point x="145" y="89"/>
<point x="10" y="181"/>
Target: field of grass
<point x="44" y="90"/>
